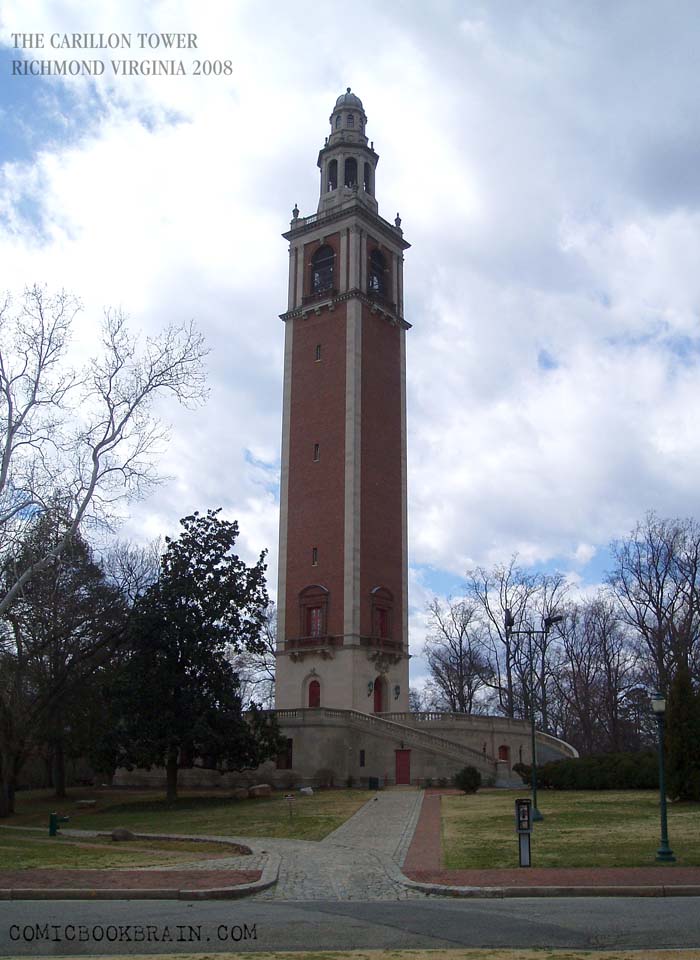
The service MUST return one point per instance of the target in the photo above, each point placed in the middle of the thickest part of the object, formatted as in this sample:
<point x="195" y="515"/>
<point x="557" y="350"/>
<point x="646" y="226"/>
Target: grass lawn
<point x="20" y="850"/>
<point x="194" y="813"/>
<point x="580" y="829"/>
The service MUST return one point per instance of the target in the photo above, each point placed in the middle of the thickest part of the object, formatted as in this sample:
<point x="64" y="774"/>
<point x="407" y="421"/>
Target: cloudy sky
<point x="545" y="159"/>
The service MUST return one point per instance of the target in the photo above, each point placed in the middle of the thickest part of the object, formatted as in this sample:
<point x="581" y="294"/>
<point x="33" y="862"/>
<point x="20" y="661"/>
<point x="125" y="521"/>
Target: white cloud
<point x="544" y="160"/>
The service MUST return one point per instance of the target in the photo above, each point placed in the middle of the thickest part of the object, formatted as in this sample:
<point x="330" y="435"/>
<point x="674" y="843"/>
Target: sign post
<point x="289" y="797"/>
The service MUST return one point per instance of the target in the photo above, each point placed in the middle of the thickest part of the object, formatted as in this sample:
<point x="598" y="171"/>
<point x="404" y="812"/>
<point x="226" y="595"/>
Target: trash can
<point x="373" y="783"/>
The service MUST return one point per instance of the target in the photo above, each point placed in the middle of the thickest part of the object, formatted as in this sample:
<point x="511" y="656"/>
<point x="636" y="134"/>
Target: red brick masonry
<point x="125" y="879"/>
<point x="423" y="864"/>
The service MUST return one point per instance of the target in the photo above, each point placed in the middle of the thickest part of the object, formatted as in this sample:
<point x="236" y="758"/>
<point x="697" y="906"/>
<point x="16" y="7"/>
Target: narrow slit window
<point x="318" y="352"/>
<point x="317" y="452"/>
<point x="314" y="556"/>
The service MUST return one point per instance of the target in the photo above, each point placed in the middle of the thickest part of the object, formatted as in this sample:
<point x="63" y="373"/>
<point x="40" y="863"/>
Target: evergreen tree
<point x="683" y="737"/>
<point x="58" y="632"/>
<point x="178" y="695"/>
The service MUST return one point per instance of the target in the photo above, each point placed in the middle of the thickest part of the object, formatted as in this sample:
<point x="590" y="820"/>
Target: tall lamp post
<point x="664" y="853"/>
<point x="547" y="625"/>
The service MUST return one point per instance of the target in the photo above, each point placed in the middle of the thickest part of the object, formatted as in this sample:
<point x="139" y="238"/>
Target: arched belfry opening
<point x="350" y="172"/>
<point x="332" y="175"/>
<point x="376" y="282"/>
<point x="323" y="269"/>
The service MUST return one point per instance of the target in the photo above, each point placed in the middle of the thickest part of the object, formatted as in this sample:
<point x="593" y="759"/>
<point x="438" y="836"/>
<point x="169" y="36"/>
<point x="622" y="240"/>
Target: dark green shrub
<point x="606" y="771"/>
<point x="468" y="779"/>
<point x="523" y="771"/>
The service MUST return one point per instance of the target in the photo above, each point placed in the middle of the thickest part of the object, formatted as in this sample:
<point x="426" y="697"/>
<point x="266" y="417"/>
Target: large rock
<point x="260" y="790"/>
<point x="121" y="833"/>
<point x="307" y="791"/>
<point x="240" y="793"/>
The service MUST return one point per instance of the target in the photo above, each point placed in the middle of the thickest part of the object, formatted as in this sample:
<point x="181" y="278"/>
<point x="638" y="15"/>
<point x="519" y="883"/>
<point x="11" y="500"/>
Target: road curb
<point x="603" y="890"/>
<point x="268" y="879"/>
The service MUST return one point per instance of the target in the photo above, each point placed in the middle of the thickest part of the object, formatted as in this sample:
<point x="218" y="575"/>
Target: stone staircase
<point x="399" y="732"/>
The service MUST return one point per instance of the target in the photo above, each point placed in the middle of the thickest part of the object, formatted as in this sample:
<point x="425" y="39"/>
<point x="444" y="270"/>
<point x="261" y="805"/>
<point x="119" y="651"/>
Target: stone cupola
<point x="347" y="162"/>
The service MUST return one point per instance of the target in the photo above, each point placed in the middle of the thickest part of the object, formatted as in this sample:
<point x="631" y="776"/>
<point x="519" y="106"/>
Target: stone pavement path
<point x="356" y="861"/>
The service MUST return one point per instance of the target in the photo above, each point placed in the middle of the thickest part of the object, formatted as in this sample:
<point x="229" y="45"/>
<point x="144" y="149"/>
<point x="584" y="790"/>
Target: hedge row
<point x="607" y="771"/>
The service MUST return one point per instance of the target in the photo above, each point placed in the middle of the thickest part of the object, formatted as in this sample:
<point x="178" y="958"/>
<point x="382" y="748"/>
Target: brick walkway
<point x="425" y="852"/>
<point x="124" y="879"/>
<point x="424" y="864"/>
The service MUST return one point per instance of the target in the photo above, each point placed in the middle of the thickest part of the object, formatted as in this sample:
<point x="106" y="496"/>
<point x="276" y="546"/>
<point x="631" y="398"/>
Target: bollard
<point x="54" y="820"/>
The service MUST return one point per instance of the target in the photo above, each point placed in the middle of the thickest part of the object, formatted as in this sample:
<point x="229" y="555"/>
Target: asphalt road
<point x="55" y="928"/>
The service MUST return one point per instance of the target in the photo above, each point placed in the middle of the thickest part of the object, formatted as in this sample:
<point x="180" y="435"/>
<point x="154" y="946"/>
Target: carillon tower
<point x="342" y="600"/>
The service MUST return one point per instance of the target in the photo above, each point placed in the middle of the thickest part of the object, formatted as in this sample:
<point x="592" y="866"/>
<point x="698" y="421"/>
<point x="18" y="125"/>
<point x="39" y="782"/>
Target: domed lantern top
<point x="348" y="99"/>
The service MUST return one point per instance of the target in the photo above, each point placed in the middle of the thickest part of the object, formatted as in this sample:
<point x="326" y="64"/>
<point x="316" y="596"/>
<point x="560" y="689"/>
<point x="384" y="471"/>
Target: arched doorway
<point x="378" y="695"/>
<point x="314" y="694"/>
<point x="504" y="753"/>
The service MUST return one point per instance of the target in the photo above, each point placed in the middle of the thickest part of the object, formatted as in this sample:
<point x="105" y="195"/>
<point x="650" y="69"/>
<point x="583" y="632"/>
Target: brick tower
<point x="342" y="598"/>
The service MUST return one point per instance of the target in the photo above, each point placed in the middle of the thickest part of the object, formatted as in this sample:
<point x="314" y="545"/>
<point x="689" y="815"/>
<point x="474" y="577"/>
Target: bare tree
<point x="594" y="676"/>
<point x="132" y="568"/>
<point x="454" y="650"/>
<point x="505" y="587"/>
<point x="88" y="439"/>
<point x="63" y="626"/>
<point x="656" y="582"/>
<point x="547" y="601"/>
<point x="256" y="669"/>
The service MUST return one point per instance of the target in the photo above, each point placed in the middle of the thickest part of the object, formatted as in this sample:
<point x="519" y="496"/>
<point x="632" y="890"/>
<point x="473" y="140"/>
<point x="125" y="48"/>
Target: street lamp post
<point x="664" y="854"/>
<point x="547" y="625"/>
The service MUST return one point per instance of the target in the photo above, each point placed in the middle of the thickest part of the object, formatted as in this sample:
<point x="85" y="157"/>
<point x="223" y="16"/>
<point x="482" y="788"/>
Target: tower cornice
<point x="376" y="306"/>
<point x="301" y="226"/>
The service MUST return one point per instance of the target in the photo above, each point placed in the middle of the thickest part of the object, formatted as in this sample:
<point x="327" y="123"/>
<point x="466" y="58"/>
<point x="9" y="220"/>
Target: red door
<point x="403" y="766"/>
<point x="314" y="694"/>
<point x="378" y="699"/>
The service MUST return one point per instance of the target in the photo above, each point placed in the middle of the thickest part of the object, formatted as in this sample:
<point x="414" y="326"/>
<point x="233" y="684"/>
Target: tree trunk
<point x="7" y="796"/>
<point x="9" y="767"/>
<point x="171" y="772"/>
<point x="59" y="768"/>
